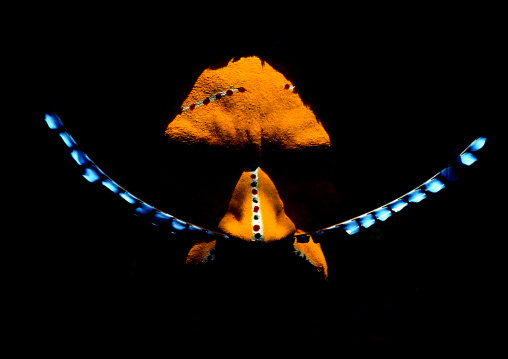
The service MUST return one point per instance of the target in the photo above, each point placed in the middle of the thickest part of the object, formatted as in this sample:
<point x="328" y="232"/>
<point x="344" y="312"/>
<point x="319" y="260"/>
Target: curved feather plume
<point x="435" y="184"/>
<point x="92" y="173"/>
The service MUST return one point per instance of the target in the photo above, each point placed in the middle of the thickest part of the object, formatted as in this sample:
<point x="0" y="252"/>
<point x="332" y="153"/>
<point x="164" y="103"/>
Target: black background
<point x="397" y="100"/>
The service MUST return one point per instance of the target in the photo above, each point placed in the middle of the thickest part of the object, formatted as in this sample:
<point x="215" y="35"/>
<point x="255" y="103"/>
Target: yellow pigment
<point x="265" y="116"/>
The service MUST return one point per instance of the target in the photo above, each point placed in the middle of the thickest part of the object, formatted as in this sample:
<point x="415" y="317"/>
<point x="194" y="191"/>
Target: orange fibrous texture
<point x="268" y="116"/>
<point x="265" y="115"/>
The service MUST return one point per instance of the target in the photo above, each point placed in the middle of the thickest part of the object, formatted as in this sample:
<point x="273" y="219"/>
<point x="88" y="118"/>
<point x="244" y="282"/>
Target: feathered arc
<point x="436" y="183"/>
<point x="93" y="174"/>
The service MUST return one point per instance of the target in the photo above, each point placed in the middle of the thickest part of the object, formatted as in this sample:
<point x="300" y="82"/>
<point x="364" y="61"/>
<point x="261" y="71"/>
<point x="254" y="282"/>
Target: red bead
<point x="253" y="176"/>
<point x="206" y="101"/>
<point x="286" y="87"/>
<point x="193" y="106"/>
<point x="229" y="92"/>
<point x="241" y="89"/>
<point x="295" y="90"/>
<point x="218" y="96"/>
<point x="254" y="191"/>
<point x="256" y="209"/>
<point x="256" y="227"/>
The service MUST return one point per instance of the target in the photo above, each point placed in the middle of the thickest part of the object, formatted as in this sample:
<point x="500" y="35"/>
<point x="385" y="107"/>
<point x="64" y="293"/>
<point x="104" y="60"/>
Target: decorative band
<point x="207" y="100"/>
<point x="257" y="222"/>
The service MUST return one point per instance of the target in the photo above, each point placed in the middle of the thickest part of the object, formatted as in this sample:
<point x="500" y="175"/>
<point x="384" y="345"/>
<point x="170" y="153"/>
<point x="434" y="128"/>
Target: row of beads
<point x="257" y="223"/>
<point x="211" y="98"/>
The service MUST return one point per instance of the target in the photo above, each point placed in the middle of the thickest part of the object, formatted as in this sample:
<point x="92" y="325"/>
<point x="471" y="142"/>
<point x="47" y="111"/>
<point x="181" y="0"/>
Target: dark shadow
<point x="393" y="107"/>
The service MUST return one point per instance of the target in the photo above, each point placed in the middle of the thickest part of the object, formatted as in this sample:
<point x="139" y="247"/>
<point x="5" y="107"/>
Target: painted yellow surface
<point x="264" y="115"/>
<point x="314" y="253"/>
<point x="199" y="250"/>
<point x="237" y="221"/>
<point x="264" y="118"/>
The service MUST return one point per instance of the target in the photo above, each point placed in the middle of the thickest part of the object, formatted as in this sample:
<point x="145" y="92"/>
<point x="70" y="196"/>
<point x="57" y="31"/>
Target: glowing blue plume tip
<point x="416" y="196"/>
<point x="398" y="205"/>
<point x="367" y="220"/>
<point x="69" y="141"/>
<point x="468" y="158"/>
<point x="178" y="225"/>
<point x="351" y="227"/>
<point x="91" y="175"/>
<point x="382" y="214"/>
<point x="80" y="158"/>
<point x="128" y="197"/>
<point x="477" y="144"/>
<point x="53" y="122"/>
<point x="144" y="209"/>
<point x="434" y="185"/>
<point x="111" y="186"/>
<point x="160" y="218"/>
